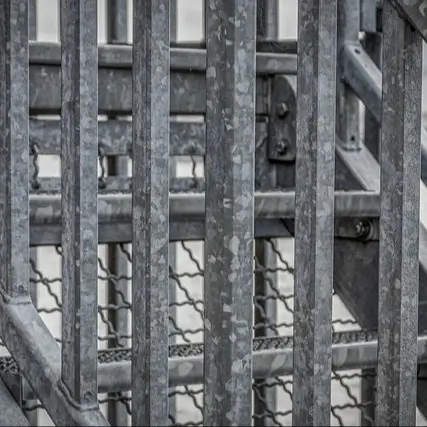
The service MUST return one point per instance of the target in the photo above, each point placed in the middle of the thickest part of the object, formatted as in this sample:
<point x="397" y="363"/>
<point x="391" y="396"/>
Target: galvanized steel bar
<point x="399" y="222"/>
<point x="173" y="246"/>
<point x="14" y="151"/>
<point x="117" y="33"/>
<point x="265" y="394"/>
<point x="79" y="161"/>
<point x="230" y="146"/>
<point x="32" y="35"/>
<point x="314" y="212"/>
<point x="150" y="212"/>
<point x="348" y="355"/>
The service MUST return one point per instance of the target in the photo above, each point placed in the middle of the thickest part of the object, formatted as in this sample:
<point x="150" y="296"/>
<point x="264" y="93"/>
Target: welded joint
<point x="282" y="120"/>
<point x="39" y="359"/>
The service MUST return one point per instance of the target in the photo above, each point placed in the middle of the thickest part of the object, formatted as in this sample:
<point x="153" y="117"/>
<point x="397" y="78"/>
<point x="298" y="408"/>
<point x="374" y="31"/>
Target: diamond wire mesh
<point x="186" y="321"/>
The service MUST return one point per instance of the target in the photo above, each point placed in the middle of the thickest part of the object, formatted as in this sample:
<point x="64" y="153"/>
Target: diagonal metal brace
<point x="414" y="11"/>
<point x="39" y="357"/>
<point x="11" y="413"/>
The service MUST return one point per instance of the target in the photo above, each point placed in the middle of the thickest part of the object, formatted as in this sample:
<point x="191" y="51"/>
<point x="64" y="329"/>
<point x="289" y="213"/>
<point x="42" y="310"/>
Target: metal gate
<point x="174" y="301"/>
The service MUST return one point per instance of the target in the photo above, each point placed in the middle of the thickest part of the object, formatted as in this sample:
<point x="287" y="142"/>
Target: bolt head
<point x="282" y="147"/>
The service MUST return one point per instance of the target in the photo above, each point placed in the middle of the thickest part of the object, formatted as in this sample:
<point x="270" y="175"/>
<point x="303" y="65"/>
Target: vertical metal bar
<point x="266" y="396"/>
<point x="117" y="33"/>
<point x="173" y="246"/>
<point x="14" y="150"/>
<point x="229" y="162"/>
<point x="314" y="211"/>
<point x="373" y="47"/>
<point x="348" y="109"/>
<point x="79" y="134"/>
<point x="399" y="222"/>
<point x="32" y="416"/>
<point x="150" y="199"/>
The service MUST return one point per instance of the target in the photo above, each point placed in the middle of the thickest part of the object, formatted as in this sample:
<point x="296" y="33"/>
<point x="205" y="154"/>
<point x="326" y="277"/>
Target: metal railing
<point x="153" y="279"/>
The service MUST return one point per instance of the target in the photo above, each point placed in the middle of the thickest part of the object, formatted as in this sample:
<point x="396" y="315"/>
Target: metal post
<point x="14" y="150"/>
<point x="314" y="212"/>
<point x="79" y="134"/>
<point x="373" y="46"/>
<point x="266" y="396"/>
<point x="150" y="212"/>
<point x="173" y="246"/>
<point x="32" y="416"/>
<point x="117" y="26"/>
<point x="230" y="147"/>
<point x="399" y="222"/>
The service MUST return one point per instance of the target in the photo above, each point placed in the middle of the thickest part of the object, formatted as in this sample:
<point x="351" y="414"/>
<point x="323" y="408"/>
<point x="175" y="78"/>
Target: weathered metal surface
<point x="230" y="160"/>
<point x="79" y="194"/>
<point x="399" y="222"/>
<point x="150" y="212"/>
<point x="217" y="128"/>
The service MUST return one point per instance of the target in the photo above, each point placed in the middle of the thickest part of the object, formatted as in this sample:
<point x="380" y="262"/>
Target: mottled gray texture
<point x="399" y="223"/>
<point x="39" y="357"/>
<point x="230" y="160"/>
<point x="14" y="149"/>
<point x="265" y="311"/>
<point x="117" y="264"/>
<point x="314" y="212"/>
<point x="150" y="212"/>
<point x="79" y="159"/>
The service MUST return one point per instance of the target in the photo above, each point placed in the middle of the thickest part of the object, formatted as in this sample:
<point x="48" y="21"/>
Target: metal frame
<point x="278" y="163"/>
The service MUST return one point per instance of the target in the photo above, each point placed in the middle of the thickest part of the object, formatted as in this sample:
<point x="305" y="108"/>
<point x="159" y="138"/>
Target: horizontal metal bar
<point x="263" y="44"/>
<point x="120" y="184"/>
<point x="116" y="376"/>
<point x="47" y="209"/>
<point x="115" y="91"/>
<point x="39" y="358"/>
<point x="186" y="215"/>
<point x="115" y="137"/>
<point x="190" y="60"/>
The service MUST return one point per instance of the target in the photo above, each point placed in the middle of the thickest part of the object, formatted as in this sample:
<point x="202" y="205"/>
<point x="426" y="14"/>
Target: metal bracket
<point x="282" y="120"/>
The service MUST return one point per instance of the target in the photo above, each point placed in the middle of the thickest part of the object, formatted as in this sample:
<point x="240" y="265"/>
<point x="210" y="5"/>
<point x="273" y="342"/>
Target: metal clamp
<point x="282" y="120"/>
